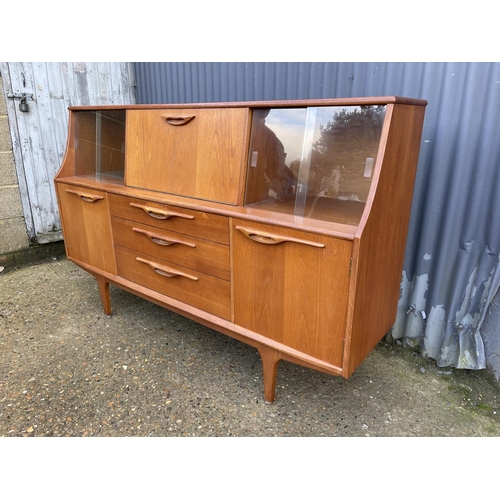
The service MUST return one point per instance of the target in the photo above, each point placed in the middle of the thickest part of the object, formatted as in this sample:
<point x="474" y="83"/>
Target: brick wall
<point x="13" y="235"/>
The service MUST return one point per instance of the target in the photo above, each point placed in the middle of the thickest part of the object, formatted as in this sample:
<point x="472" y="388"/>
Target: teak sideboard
<point x="279" y="223"/>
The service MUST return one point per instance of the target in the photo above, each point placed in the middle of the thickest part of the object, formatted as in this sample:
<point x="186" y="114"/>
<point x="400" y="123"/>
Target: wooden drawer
<point x="200" y="255"/>
<point x="181" y="220"/>
<point x="198" y="153"/>
<point x="192" y="287"/>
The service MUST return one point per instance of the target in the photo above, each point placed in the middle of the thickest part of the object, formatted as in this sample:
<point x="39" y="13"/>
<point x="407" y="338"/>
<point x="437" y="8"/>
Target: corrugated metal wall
<point x="451" y="270"/>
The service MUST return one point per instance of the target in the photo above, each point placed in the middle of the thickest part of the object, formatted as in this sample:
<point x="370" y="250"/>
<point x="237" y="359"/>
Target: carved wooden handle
<point x="178" y="120"/>
<point x="158" y="213"/>
<point x="89" y="198"/>
<point x="168" y="272"/>
<point x="274" y="239"/>
<point x="159" y="239"/>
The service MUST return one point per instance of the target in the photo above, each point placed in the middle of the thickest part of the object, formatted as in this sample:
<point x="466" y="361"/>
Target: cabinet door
<point x="86" y="226"/>
<point x="189" y="152"/>
<point x="292" y="287"/>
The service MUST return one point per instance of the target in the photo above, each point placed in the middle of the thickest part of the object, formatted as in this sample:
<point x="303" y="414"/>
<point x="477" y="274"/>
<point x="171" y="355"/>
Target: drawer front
<point x="180" y="220"/>
<point x="186" y="285"/>
<point x="200" y="255"/>
<point x="198" y="153"/>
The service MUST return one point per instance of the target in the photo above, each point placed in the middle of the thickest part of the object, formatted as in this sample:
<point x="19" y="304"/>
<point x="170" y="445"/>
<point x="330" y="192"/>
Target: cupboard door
<point x="197" y="153"/>
<point x="86" y="226"/>
<point x="292" y="287"/>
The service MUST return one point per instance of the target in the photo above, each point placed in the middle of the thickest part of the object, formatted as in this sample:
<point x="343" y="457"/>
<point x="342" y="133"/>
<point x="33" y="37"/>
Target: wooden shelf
<point x="321" y="208"/>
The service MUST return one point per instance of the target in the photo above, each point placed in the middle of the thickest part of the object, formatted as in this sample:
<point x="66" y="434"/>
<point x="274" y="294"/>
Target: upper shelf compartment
<point x="198" y="152"/>
<point x="314" y="162"/>
<point x="99" y="145"/>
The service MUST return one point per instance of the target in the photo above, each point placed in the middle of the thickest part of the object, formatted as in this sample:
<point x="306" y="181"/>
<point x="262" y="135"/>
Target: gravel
<point x="67" y="369"/>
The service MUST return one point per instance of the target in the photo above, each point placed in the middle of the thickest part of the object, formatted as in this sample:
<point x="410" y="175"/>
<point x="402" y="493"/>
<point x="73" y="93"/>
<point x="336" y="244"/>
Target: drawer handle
<point x="89" y="198"/>
<point x="162" y="240"/>
<point x="178" y="120"/>
<point x="168" y="272"/>
<point x="274" y="239"/>
<point x="158" y="213"/>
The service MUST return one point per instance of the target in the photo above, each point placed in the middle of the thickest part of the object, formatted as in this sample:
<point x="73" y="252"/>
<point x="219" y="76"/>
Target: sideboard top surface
<point x="341" y="101"/>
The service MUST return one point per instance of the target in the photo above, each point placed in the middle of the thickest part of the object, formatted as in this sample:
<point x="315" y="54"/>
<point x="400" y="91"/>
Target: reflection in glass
<point x="99" y="144"/>
<point x="314" y="162"/>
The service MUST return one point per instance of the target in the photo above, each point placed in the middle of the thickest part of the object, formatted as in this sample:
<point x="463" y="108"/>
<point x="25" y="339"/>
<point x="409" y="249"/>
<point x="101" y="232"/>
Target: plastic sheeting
<point x="451" y="271"/>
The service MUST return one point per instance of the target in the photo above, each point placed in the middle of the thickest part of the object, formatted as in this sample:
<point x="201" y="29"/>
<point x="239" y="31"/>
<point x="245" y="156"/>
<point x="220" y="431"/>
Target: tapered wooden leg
<point x="270" y="359"/>
<point x="104" y="291"/>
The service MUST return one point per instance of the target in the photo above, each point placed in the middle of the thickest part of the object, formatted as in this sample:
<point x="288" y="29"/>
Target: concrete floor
<point x="66" y="369"/>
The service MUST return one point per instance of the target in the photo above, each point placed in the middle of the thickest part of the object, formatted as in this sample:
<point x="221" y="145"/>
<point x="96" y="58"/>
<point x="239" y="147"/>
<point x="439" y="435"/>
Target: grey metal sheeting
<point x="451" y="271"/>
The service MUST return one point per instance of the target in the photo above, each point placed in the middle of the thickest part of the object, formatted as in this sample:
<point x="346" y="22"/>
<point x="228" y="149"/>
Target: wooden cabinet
<point x="281" y="223"/>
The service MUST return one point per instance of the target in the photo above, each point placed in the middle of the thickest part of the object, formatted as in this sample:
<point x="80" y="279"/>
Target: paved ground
<point x="66" y="369"/>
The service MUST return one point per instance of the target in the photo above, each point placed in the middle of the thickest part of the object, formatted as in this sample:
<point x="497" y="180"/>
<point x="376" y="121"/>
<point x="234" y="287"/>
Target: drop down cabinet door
<point x="292" y="287"/>
<point x="197" y="153"/>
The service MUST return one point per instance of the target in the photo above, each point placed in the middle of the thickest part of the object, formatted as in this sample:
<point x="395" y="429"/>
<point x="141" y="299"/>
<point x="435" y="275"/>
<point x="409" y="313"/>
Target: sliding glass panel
<point x="100" y="144"/>
<point x="313" y="162"/>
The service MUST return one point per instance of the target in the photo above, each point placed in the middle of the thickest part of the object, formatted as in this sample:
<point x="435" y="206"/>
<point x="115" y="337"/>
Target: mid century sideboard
<point x="279" y="223"/>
